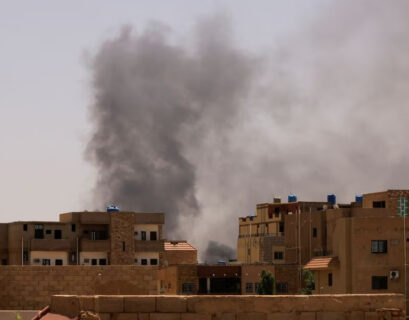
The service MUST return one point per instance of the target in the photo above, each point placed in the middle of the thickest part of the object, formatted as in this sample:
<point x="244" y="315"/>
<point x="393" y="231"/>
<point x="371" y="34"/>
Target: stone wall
<point x="31" y="287"/>
<point x="318" y="307"/>
<point x="122" y="238"/>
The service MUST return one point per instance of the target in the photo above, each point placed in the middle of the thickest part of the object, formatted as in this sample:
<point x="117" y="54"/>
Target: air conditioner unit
<point x="394" y="274"/>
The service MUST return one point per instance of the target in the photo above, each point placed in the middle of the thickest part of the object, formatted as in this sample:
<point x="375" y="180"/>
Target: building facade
<point x="85" y="238"/>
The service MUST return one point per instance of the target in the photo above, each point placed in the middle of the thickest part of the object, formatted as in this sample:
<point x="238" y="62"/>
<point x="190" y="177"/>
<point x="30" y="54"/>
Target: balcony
<point x="95" y="245"/>
<point x="145" y="246"/>
<point x="50" y="245"/>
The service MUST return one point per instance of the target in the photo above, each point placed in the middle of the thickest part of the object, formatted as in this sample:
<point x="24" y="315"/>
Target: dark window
<point x="25" y="255"/>
<point x="270" y="215"/>
<point x="47" y="231"/>
<point x="123" y="246"/>
<point x="277" y="211"/>
<point x="4" y="262"/>
<point x="379" y="204"/>
<point x="281" y="287"/>
<point x="73" y="227"/>
<point x="330" y="279"/>
<point x="314" y="232"/>
<point x="46" y="262"/>
<point x="249" y="287"/>
<point x="38" y="231"/>
<point x="154" y="262"/>
<point x="379" y="246"/>
<point x="24" y="227"/>
<point x="153" y="235"/>
<point x="278" y="255"/>
<point x="98" y="235"/>
<point x="94" y="262"/>
<point x="144" y="262"/>
<point x="379" y="282"/>
<point x="102" y="262"/>
<point x="57" y="234"/>
<point x="281" y="227"/>
<point x="58" y="262"/>
<point x="188" y="288"/>
<point x="143" y="235"/>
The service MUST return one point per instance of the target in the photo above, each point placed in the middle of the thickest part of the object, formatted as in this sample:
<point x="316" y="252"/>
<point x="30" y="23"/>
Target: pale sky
<point x="45" y="88"/>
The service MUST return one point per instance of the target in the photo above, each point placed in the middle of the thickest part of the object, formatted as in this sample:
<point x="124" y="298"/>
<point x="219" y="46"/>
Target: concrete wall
<point x="321" y="307"/>
<point x="31" y="287"/>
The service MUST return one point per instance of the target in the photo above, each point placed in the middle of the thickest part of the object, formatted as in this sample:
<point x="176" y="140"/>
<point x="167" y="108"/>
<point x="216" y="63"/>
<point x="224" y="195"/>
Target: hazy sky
<point x="45" y="89"/>
<point x="323" y="108"/>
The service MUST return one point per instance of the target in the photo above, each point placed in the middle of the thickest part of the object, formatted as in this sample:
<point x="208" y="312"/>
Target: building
<point x="179" y="252"/>
<point x="86" y="238"/>
<point x="366" y="247"/>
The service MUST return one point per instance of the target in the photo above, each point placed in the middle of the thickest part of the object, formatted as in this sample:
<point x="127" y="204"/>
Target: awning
<point x="321" y="263"/>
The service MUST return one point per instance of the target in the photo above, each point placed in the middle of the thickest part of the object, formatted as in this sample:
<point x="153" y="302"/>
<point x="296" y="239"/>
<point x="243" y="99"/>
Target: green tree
<point x="267" y="283"/>
<point x="308" y="281"/>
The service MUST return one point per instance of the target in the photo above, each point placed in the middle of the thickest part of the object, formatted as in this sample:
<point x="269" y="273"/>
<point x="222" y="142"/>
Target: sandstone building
<point x="89" y="238"/>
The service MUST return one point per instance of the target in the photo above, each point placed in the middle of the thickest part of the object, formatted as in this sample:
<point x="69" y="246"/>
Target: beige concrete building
<point x="86" y="238"/>
<point x="366" y="247"/>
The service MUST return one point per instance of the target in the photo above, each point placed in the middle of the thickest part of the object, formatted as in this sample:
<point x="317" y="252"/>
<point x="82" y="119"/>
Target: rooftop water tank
<point x="112" y="208"/>
<point x="277" y="200"/>
<point x="358" y="198"/>
<point x="331" y="198"/>
<point x="292" y="198"/>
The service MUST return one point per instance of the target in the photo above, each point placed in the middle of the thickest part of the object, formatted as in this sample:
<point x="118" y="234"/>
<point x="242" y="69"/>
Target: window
<point x="73" y="257"/>
<point x="4" y="262"/>
<point x="143" y="235"/>
<point x="25" y="255"/>
<point x="123" y="245"/>
<point x="58" y="262"/>
<point x="314" y="232"/>
<point x="57" y="234"/>
<point x="379" y="282"/>
<point x="38" y="231"/>
<point x="24" y="227"/>
<point x="270" y="215"/>
<point x="102" y="262"/>
<point x="249" y="287"/>
<point x="154" y="262"/>
<point x="73" y="227"/>
<point x="94" y="262"/>
<point x="47" y="231"/>
<point x="379" y="204"/>
<point x="278" y="255"/>
<point x="281" y="287"/>
<point x="329" y="279"/>
<point x="144" y="262"/>
<point x="379" y="246"/>
<point x="281" y="227"/>
<point x="153" y="235"/>
<point x="277" y="212"/>
<point x="46" y="262"/>
<point x="188" y="288"/>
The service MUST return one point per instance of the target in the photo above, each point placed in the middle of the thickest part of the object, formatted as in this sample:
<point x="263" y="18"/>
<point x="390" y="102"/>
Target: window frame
<point x="249" y="287"/>
<point x="379" y="283"/>
<point x="376" y="248"/>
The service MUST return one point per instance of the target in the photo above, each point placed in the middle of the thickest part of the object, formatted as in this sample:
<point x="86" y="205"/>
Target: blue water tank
<point x="292" y="198"/>
<point x="112" y="208"/>
<point x="358" y="198"/>
<point x="331" y="198"/>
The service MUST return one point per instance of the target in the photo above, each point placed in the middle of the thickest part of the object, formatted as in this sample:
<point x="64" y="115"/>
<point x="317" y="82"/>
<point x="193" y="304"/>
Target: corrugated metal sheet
<point x="178" y="246"/>
<point x="322" y="263"/>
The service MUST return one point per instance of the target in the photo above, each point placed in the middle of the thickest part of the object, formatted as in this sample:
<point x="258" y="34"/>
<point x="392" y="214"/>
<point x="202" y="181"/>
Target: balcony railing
<point x="145" y="246"/>
<point x="95" y="245"/>
<point x="50" y="245"/>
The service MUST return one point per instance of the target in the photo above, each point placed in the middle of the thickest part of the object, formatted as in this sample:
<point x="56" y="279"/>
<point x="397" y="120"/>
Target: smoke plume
<point x="204" y="131"/>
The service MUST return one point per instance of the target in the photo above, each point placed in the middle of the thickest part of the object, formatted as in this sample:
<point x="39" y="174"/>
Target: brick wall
<point x="319" y="307"/>
<point x="31" y="287"/>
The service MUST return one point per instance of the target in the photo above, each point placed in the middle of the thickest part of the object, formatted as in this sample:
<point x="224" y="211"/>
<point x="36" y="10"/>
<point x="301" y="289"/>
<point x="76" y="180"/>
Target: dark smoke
<point x="216" y="252"/>
<point x="154" y="101"/>
<point x="204" y="132"/>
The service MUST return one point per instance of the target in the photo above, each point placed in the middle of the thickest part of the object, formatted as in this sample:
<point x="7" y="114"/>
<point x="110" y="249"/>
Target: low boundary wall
<point x="31" y="287"/>
<point x="313" y="307"/>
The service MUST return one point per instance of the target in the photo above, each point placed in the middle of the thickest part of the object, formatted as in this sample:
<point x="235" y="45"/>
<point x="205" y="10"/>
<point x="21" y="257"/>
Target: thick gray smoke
<point x="216" y="252"/>
<point x="198" y="131"/>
